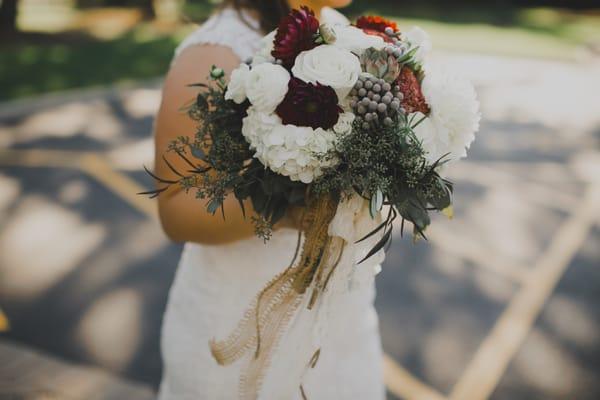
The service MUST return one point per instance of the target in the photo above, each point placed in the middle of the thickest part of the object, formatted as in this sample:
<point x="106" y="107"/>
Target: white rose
<point x="266" y="47"/>
<point x="266" y="86"/>
<point x="355" y="40"/>
<point x="417" y="37"/>
<point x="454" y="118"/>
<point x="236" y="89"/>
<point x="328" y="65"/>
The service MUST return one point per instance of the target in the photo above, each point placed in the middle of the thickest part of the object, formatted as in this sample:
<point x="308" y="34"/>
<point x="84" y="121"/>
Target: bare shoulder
<point x="193" y="64"/>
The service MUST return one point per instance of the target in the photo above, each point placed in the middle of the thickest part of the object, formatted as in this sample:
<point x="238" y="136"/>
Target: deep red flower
<point x="411" y="89"/>
<point x="295" y="34"/>
<point x="311" y="105"/>
<point x="375" y="23"/>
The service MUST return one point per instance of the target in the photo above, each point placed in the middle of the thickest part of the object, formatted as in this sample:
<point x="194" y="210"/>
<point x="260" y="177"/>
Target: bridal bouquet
<point x="324" y="113"/>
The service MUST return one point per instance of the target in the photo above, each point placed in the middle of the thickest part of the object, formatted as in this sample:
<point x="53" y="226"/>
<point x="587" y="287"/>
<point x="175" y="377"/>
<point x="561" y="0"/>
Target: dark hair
<point x="269" y="11"/>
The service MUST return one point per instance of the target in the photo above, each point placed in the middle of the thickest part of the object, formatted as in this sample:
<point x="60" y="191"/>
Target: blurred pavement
<point x="503" y="302"/>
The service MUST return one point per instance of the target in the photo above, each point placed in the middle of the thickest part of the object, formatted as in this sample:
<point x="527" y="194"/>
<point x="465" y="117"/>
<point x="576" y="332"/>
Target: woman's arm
<point x="183" y="217"/>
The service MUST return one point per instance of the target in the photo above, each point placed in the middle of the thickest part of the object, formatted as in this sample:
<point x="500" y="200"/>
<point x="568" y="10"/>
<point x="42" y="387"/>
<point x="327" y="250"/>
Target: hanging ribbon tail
<point x="246" y="337"/>
<point x="270" y="313"/>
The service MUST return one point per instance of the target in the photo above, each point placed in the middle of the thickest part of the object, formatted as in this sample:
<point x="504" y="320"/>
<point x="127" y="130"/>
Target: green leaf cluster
<point x="387" y="165"/>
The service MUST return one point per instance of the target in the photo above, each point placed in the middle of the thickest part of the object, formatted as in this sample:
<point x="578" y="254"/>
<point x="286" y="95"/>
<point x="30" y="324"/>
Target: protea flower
<point x="296" y="33"/>
<point x="380" y="64"/>
<point x="311" y="105"/>
<point x="411" y="89"/>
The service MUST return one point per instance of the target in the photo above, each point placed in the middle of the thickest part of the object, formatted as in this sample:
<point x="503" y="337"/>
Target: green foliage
<point x="222" y="163"/>
<point x="39" y="67"/>
<point x="388" y="163"/>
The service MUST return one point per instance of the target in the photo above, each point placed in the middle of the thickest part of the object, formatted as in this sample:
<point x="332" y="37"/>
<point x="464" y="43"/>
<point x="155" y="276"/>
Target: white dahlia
<point x="287" y="149"/>
<point x="418" y="38"/>
<point x="454" y="118"/>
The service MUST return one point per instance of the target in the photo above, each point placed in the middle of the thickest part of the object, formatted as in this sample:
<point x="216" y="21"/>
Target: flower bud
<point x="216" y="72"/>
<point x="327" y="33"/>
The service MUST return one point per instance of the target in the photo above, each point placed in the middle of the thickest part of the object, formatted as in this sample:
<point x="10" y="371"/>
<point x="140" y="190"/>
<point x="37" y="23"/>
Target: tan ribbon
<point x="269" y="314"/>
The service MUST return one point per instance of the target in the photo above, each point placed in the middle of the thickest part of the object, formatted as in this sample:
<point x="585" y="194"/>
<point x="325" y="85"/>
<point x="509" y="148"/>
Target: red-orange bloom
<point x="375" y="23"/>
<point x="411" y="89"/>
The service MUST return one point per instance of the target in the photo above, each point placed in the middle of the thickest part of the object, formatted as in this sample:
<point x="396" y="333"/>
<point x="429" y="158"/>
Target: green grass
<point x="32" y="68"/>
<point x="487" y="39"/>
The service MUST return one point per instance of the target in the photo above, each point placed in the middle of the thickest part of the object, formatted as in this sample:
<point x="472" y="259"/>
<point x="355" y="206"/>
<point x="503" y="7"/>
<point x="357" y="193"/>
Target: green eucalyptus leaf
<point x="418" y="216"/>
<point x="406" y="57"/>
<point x="441" y="199"/>
<point x="376" y="203"/>
<point x="198" y="152"/>
<point x="296" y="195"/>
<point x="379" y="245"/>
<point x="279" y="210"/>
<point x="259" y="200"/>
<point x="213" y="206"/>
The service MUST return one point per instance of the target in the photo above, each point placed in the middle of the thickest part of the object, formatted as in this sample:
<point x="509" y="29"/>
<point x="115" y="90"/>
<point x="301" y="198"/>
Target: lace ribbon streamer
<point x="330" y="225"/>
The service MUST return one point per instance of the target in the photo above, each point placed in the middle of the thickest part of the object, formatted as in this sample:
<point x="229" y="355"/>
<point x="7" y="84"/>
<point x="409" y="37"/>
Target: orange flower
<point x="375" y="23"/>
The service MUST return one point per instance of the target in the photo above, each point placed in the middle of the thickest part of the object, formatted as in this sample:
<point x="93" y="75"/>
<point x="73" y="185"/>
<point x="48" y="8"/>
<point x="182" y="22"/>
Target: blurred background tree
<point x="46" y="44"/>
<point x="8" y="15"/>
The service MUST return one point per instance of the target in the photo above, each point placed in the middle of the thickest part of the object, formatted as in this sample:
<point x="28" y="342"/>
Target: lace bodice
<point x="230" y="28"/>
<point x="215" y="284"/>
<point x="239" y="31"/>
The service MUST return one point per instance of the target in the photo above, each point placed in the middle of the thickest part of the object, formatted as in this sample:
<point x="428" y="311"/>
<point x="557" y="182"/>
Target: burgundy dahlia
<point x="311" y="105"/>
<point x="295" y="34"/>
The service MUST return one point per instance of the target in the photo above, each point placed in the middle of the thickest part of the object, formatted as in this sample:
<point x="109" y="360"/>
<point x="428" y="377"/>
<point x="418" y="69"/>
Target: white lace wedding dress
<point x="215" y="284"/>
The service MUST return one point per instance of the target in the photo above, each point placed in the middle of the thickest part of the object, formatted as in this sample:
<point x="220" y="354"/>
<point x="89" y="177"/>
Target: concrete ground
<point x="502" y="302"/>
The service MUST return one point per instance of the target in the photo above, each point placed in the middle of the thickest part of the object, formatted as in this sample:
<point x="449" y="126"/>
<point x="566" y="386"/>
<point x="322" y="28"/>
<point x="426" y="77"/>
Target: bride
<point x="224" y="265"/>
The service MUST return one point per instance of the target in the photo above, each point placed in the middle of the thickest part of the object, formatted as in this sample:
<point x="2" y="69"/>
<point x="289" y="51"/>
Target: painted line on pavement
<point x="4" y="323"/>
<point x="120" y="184"/>
<point x="404" y="385"/>
<point x="491" y="360"/>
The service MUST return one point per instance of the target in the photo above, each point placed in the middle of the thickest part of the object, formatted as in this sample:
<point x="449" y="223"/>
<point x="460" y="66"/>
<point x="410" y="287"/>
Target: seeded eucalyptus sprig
<point x="387" y="166"/>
